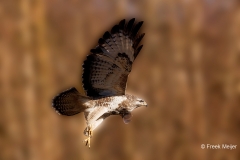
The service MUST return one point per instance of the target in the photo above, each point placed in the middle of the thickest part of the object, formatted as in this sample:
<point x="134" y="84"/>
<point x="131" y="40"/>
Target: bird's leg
<point x="89" y="134"/>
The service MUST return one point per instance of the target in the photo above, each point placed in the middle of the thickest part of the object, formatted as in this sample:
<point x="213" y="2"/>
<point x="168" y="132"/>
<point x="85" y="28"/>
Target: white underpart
<point x="115" y="102"/>
<point x="93" y="119"/>
<point x="92" y="114"/>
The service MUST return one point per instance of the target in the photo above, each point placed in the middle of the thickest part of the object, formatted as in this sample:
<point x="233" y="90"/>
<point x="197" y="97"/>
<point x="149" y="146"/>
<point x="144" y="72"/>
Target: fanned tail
<point x="69" y="102"/>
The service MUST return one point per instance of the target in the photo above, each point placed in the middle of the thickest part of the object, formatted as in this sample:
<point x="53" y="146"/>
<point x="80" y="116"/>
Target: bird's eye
<point x="141" y="101"/>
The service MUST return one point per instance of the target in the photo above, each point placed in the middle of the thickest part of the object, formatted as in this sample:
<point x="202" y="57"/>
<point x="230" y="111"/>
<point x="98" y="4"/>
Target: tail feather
<point x="69" y="102"/>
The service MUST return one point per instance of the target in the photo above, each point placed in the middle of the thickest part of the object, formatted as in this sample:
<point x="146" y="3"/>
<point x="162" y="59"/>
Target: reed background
<point x="188" y="71"/>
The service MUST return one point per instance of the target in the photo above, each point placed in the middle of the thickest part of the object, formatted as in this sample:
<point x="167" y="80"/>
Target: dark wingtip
<point x="122" y="24"/>
<point x="130" y="26"/>
<point x="138" y="40"/>
<point x="101" y="41"/>
<point x="133" y="19"/>
<point x="115" y="29"/>
<point x="106" y="35"/>
<point x="136" y="29"/>
<point x="137" y="51"/>
<point x="93" y="50"/>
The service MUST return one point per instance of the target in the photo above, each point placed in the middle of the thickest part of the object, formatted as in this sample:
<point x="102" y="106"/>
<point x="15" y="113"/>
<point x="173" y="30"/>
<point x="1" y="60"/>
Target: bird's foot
<point x="89" y="134"/>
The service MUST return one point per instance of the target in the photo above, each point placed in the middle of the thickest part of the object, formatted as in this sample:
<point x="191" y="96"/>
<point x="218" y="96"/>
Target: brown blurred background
<point x="188" y="71"/>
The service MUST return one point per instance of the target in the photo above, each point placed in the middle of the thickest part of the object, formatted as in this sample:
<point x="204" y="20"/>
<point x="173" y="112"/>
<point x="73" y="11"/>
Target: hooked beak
<point x="143" y="104"/>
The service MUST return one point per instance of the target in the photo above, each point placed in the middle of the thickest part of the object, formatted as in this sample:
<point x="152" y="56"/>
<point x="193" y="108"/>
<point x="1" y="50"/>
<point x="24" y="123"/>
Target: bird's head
<point x="136" y="102"/>
<point x="139" y="102"/>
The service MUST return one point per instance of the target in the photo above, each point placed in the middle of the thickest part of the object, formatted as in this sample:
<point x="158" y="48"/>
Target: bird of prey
<point x="105" y="73"/>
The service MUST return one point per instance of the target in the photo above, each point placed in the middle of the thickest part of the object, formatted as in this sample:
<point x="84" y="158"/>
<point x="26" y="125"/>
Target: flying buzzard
<point x="105" y="73"/>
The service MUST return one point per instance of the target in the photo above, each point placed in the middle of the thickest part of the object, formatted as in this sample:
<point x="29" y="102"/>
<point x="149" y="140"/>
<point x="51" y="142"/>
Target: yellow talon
<point x="90" y="134"/>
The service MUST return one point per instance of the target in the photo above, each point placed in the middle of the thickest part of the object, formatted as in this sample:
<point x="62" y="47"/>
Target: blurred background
<point x="188" y="72"/>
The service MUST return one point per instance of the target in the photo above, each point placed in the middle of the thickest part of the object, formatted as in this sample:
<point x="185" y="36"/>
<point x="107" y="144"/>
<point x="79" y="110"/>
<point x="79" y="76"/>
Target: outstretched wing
<point x="107" y="68"/>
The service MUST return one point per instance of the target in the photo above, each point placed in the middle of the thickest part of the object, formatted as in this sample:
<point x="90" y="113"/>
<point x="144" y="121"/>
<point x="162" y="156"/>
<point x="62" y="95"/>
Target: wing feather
<point x="107" y="68"/>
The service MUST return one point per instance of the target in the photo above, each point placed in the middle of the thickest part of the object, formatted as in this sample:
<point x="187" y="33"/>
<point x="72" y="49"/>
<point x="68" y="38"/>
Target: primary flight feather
<point x="105" y="73"/>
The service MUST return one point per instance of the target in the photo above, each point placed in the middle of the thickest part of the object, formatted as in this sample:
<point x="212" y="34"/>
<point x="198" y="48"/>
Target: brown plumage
<point x="105" y="73"/>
